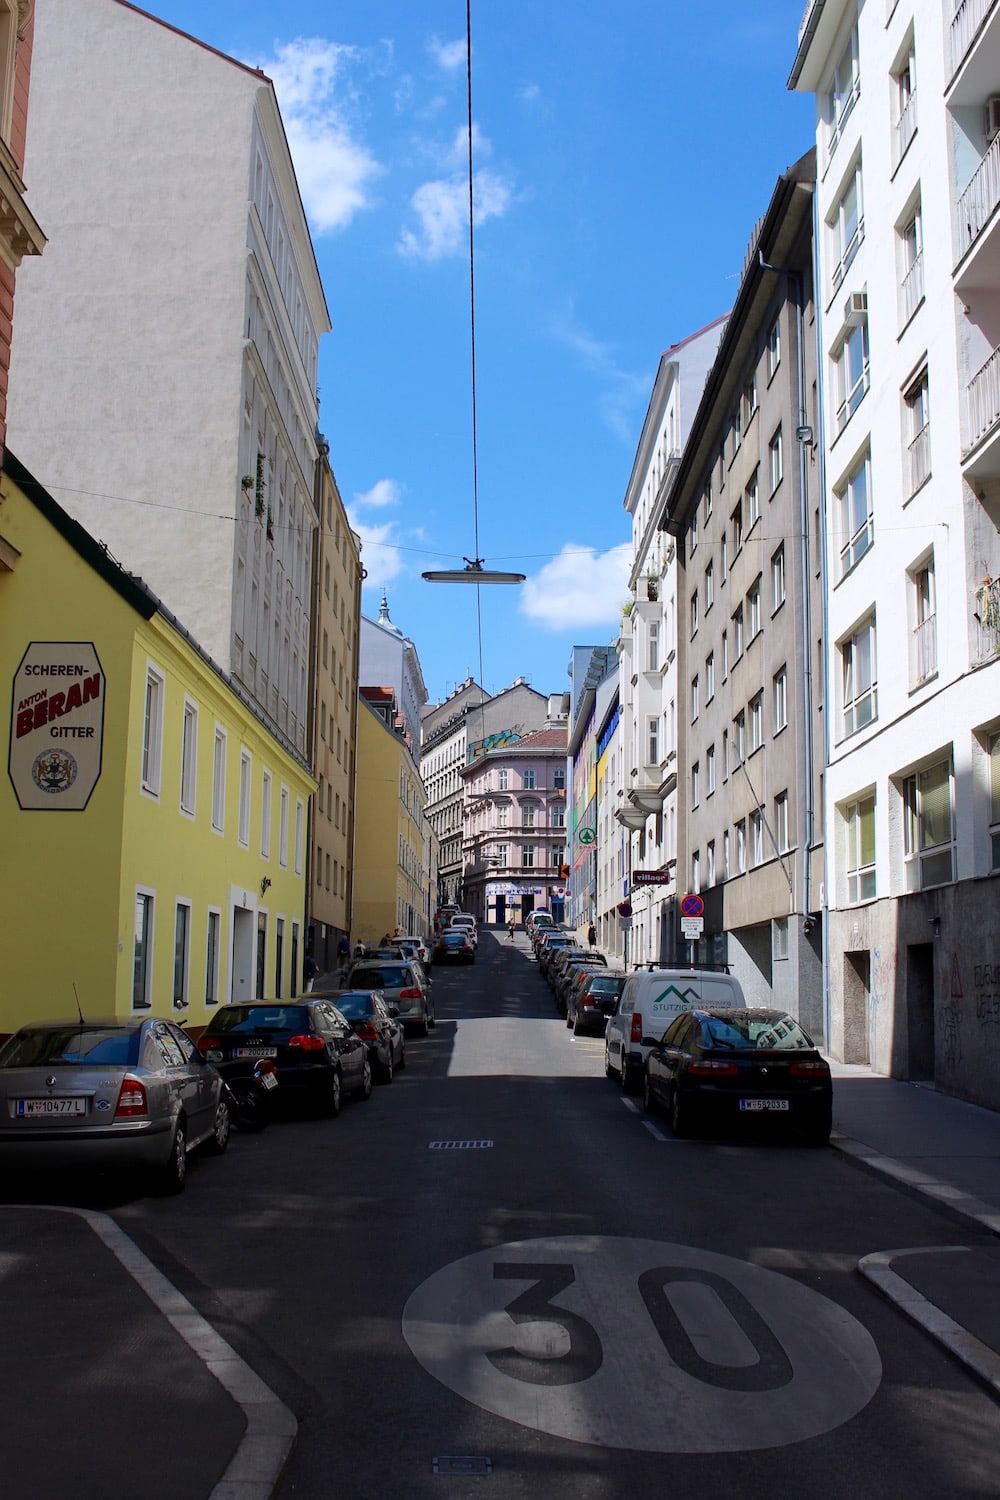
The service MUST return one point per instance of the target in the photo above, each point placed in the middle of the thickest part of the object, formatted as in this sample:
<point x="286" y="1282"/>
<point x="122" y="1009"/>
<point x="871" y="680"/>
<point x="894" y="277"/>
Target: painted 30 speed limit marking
<point x="638" y="1344"/>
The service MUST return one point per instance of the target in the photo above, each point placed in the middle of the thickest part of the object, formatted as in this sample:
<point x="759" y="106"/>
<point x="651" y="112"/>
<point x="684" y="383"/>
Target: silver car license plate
<point x="255" y="1051"/>
<point x="755" y="1106"/>
<point x="35" y="1107"/>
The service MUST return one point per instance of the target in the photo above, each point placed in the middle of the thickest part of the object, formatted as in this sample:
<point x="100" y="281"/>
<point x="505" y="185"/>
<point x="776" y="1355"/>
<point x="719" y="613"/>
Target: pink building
<point x="514" y="826"/>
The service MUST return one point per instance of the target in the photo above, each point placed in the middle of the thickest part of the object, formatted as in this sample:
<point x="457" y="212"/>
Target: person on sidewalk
<point x="310" y="969"/>
<point x="510" y="928"/>
<point x="592" y="935"/>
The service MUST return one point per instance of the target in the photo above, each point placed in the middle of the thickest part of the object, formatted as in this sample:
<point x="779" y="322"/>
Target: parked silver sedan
<point x="112" y="1094"/>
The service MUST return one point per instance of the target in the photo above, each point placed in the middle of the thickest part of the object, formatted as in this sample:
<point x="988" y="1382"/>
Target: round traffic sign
<point x="692" y="906"/>
<point x="551" y="1332"/>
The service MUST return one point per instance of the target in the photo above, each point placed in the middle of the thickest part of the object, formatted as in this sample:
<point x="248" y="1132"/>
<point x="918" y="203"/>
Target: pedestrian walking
<point x="510" y="928"/>
<point x="344" y="954"/>
<point x="592" y="935"/>
<point x="310" y="969"/>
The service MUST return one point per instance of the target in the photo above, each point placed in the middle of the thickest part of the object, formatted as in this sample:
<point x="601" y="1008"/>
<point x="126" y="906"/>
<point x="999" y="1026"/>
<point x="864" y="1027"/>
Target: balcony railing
<point x="906" y="125"/>
<point x="979" y="199"/>
<point x="969" y="16"/>
<point x="913" y="287"/>
<point x="919" y="458"/>
<point x="988" y="618"/>
<point x="982" y="402"/>
<point x="924" y="650"/>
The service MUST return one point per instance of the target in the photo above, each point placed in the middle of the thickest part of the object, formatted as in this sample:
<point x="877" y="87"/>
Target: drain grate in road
<point x="460" y="1145"/>
<point x="463" y="1463"/>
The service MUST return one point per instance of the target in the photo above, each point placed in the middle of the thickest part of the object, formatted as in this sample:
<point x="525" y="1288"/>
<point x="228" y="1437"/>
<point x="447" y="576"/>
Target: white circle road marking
<point x="639" y="1344"/>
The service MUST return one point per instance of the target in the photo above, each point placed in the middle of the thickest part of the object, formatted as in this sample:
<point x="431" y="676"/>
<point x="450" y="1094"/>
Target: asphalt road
<point x="498" y="1269"/>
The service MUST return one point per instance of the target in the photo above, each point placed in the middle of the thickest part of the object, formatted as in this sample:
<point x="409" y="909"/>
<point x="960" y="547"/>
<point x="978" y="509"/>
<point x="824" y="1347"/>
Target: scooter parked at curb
<point x="251" y="1090"/>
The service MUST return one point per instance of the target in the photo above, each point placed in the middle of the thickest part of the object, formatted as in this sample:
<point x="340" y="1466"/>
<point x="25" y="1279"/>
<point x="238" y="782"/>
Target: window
<point x="279" y="955"/>
<point x="653" y="646"/>
<point x="528" y="815"/>
<point x="142" y="951"/>
<point x="741" y="847"/>
<point x="244" y="819"/>
<point x="695" y="784"/>
<point x="845" y="88"/>
<point x="527" y="856"/>
<point x="928" y="832"/>
<point x="850" y="372"/>
<point x="854" y="507"/>
<point x="847" y="227"/>
<point x="753" y="610"/>
<point x="774" y="461"/>
<point x="696" y="871"/>
<point x="778" y="578"/>
<point x="740" y="737"/>
<point x="916" y="420"/>
<point x="994" y="753"/>
<point x="219" y="782"/>
<point x="299" y="831"/>
<point x="725" y="855"/>
<point x="756" y="719"/>
<point x="773" y="358"/>
<point x="528" y="781"/>
<point x="749" y="401"/>
<point x="725" y="755"/>
<point x="653" y="740"/>
<point x="212" y="959"/>
<point x="709" y="588"/>
<point x="502" y="780"/>
<point x="751" y="502"/>
<point x="558" y="819"/>
<point x="725" y="654"/>
<point x="781" y="822"/>
<point x="152" y="733"/>
<point x="860" y="824"/>
<point x="709" y="770"/>
<point x="710" y="677"/>
<point x="695" y="698"/>
<point x="283" y="828"/>
<point x="904" y="80"/>
<point x="182" y="933"/>
<point x="710" y="862"/>
<point x="736" y="527"/>
<point x="859" y="677"/>
<point x="265" y="816"/>
<point x="756" y="837"/>
<point x="911" y="258"/>
<point x="694" y="613"/>
<point x="559" y="779"/>
<point x="738" y="633"/>
<point x="500" y="854"/>
<point x="723" y="545"/>
<point x="923" y="623"/>
<point x="502" y="815"/>
<point x="189" y="758"/>
<point x="779" y="686"/>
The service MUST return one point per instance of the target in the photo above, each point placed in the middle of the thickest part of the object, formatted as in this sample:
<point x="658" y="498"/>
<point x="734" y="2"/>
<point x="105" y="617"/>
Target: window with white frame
<point x="710" y="863"/>
<point x="751" y="502"/>
<point x="779" y="938"/>
<point x="710" y="677"/>
<point x="725" y="755"/>
<point x="142" y="951"/>
<point x="736" y="527"/>
<point x="265" y="815"/>
<point x="695" y="784"/>
<point x="709" y="588"/>
<point x="753" y="610"/>
<point x="781" y="832"/>
<point x="737" y="624"/>
<point x="503" y="812"/>
<point x="726" y="870"/>
<point x="558" y="815"/>
<point x="741" y="847"/>
<point x="152" y="732"/>
<point x="756" y="721"/>
<point x="189" y="758"/>
<point x="283" y="810"/>
<point x="696" y="871"/>
<point x="775" y="461"/>
<point x="917" y="431"/>
<point x="709" y="770"/>
<point x="695" y="697"/>
<point x="300" y="812"/>
<point x="911" y="262"/>
<point x="993" y="747"/>
<point x="756" y="837"/>
<point x="219" y="781"/>
<point x="740" y="738"/>
<point x="855" y="515"/>
<point x="778" y="578"/>
<point x="843" y="93"/>
<point x="725" y="654"/>
<point x="723" y="555"/>
<point x="859" y="825"/>
<point x="923" y="621"/>
<point x="528" y="780"/>
<point x="653" y="740"/>
<point x="182" y="939"/>
<point x="846" y="226"/>
<point x="653" y="646"/>
<point x="212" y="958"/>
<point x="502" y="781"/>
<point x="528" y="812"/>
<point x="858" y="663"/>
<point x="773" y="354"/>
<point x="693" y="533"/>
<point x="559" y="778"/>
<point x="693" y="605"/>
<point x="500" y="852"/>
<point x="243" y="834"/>
<point x="904" y="87"/>
<point x="929" y="827"/>
<point x="851" y="373"/>
<point x="749" y="401"/>
<point x="527" y="856"/>
<point x="779" y="698"/>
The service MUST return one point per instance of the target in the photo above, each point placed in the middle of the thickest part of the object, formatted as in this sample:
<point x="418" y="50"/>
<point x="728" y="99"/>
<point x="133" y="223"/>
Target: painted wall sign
<point x="56" y="726"/>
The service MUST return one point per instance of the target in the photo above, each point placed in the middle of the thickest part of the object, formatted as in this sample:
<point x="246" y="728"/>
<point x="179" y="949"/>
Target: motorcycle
<point x="250" y="1089"/>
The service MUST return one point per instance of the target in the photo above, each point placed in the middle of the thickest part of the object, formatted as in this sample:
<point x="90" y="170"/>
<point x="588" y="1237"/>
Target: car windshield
<point x="770" y="1029"/>
<point x="385" y="977"/>
<point x="261" y="1018"/>
<point x="72" y="1046"/>
<point x="355" y="1006"/>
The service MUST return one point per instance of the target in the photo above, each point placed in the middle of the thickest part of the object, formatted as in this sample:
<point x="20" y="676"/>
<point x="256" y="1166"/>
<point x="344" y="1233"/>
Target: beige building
<point x="333" y="730"/>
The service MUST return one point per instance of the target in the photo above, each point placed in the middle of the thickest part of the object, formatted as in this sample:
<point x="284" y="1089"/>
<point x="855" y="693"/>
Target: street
<point x="500" y="1269"/>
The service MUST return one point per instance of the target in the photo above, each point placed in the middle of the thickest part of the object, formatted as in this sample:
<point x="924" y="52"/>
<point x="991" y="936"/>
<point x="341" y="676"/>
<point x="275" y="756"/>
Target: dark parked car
<point x="113" y="1093"/>
<point x="453" y="946"/>
<point x="592" y="1000"/>
<point x="734" y="1066"/>
<point x="378" y="1026"/>
<point x="317" y="1055"/>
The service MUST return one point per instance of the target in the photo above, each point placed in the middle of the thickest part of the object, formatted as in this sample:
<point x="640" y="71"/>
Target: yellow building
<point x="153" y="831"/>
<point x="394" y="851"/>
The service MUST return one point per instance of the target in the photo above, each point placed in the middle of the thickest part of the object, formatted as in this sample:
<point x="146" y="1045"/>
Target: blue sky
<point x="622" y="154"/>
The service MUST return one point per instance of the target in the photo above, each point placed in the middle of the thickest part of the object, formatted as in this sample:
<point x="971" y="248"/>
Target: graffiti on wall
<point x="986" y="984"/>
<point x="951" y="1017"/>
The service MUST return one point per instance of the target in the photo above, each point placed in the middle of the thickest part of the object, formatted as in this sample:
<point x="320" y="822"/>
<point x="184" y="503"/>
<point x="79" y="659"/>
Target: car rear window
<point x="749" y="1030"/>
<point x="74" y="1046"/>
<point x="386" y="977"/>
<point x="261" y="1018"/>
<point x="605" y="984"/>
<point x="354" y="1006"/>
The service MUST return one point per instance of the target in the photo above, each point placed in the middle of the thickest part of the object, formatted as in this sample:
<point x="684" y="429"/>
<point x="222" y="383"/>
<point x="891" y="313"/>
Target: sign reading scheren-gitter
<point x="56" y="726"/>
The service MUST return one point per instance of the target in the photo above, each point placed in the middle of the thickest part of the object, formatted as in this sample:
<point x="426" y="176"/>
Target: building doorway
<point x="920" y="1011"/>
<point x="243" y="955"/>
<point x="857" y="1006"/>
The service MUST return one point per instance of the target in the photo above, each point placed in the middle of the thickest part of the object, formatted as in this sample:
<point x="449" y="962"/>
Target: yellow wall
<point x="68" y="880"/>
<point x="376" y="843"/>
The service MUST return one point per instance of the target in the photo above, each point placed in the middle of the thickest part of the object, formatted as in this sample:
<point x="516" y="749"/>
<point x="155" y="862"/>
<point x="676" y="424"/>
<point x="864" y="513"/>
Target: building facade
<point x="20" y="235"/>
<point x="164" y="378"/>
<point x="596" y="840"/>
<point x="744" y="511"/>
<point x="143" y="793"/>
<point x="389" y="658"/>
<point x="910" y="347"/>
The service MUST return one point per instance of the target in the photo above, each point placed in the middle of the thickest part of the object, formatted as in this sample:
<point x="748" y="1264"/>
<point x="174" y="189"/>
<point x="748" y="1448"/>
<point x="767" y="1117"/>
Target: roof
<point x="541" y="739"/>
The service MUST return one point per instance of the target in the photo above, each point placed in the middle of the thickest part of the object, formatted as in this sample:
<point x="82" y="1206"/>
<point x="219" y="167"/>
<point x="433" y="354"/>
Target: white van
<point x="649" y="1002"/>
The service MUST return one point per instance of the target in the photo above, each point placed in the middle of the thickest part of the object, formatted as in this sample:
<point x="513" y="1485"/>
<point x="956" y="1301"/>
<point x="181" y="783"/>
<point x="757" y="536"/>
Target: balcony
<point x="981" y="445"/>
<point x="987" y="612"/>
<point x="973" y="22"/>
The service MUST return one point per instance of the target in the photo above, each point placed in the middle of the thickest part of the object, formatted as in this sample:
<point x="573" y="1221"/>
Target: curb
<point x="256" y="1466"/>
<point x="944" y="1194"/>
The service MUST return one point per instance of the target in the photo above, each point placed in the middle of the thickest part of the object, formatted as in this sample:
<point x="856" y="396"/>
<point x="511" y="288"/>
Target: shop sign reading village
<point x="56" y="726"/>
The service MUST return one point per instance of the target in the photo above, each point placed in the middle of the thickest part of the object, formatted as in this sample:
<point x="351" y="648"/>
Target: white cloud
<point x="442" y="210"/>
<point x="579" y="588"/>
<point x="335" y="170"/>
<point x="383" y="492"/>
<point x="448" y="55"/>
<point x="380" y="541"/>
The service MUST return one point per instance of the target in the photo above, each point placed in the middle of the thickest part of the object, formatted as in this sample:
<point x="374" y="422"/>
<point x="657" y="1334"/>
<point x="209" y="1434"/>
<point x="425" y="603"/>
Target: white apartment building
<point x="388" y="658"/>
<point x="908" y="136"/>
<point x="163" y="383"/>
<point x="646" y="802"/>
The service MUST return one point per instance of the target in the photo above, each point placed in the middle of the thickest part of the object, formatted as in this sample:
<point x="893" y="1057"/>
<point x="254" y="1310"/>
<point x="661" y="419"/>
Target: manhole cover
<point x="464" y="1463"/>
<point x="460" y="1145"/>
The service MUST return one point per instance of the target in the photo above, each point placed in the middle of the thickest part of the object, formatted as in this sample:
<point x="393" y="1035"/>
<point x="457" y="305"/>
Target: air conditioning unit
<point x="856" y="309"/>
<point x="992" y="117"/>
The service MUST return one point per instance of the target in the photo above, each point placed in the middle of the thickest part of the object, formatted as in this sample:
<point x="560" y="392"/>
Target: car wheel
<point x="333" y="1096"/>
<point x="817" y="1130"/>
<point x="364" y="1090"/>
<point x="387" y="1068"/>
<point x="625" y="1077"/>
<point x="425" y="1026"/>
<point x="173" y="1174"/>
<point x="569" y="1022"/>
<point x="609" y="1071"/>
<point x="432" y="1020"/>
<point x="219" y="1139"/>
<point x="680" y="1122"/>
<point x="649" y="1100"/>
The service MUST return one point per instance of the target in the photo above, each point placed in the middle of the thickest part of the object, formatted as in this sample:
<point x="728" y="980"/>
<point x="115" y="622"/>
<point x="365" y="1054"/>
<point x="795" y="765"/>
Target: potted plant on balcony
<point x="652" y="587"/>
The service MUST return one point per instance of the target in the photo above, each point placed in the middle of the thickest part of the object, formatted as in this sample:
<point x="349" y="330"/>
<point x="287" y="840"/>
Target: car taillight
<point x="587" y="1003"/>
<point x="131" y="1099"/>
<point x="207" y="1043"/>
<point x="413" y="994"/>
<point x="635" y="1035"/>
<point x="708" y="1066"/>
<point x="810" y="1068"/>
<point x="266" y="1065"/>
<point x="367" y="1031"/>
<point x="307" y="1043"/>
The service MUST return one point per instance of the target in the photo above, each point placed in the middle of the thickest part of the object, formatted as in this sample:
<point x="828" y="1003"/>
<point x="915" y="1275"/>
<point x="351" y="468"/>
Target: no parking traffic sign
<point x="692" y="906"/>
